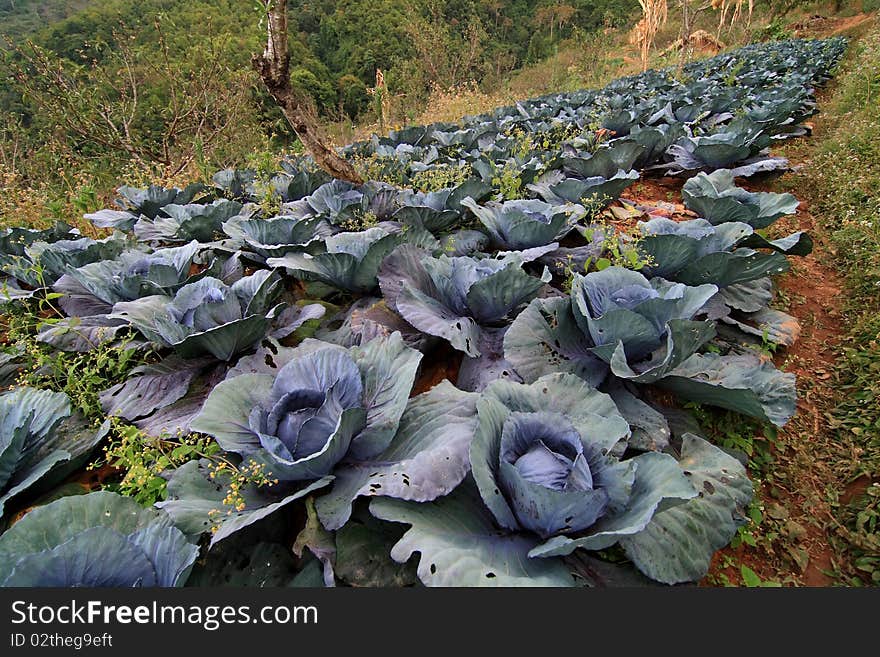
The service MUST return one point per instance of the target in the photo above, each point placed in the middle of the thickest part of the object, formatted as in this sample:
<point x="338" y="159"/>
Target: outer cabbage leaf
<point x="182" y="223"/>
<point x="275" y="236"/>
<point x="695" y="252"/>
<point x="40" y="442"/>
<point x="388" y="368"/>
<point x="650" y="429"/>
<point x="352" y="260"/>
<point x="545" y="338"/>
<point x="451" y="297"/>
<point x="716" y="198"/>
<point x="236" y="183"/>
<point x="464" y="243"/>
<point x="440" y="210"/>
<point x="745" y="384"/>
<point x="659" y="484"/>
<point x="767" y="324"/>
<point x="262" y="565"/>
<point x="725" y="269"/>
<point x="459" y="544"/>
<point x="93" y="520"/>
<point x="515" y="225"/>
<point x="617" y="305"/>
<point x="207" y="316"/>
<point x="82" y="334"/>
<point x="555" y="188"/>
<point x="151" y="387"/>
<point x="474" y="374"/>
<point x="362" y="554"/>
<point x="93" y="289"/>
<point x="195" y="502"/>
<point x="43" y="263"/>
<point x="150" y="201"/>
<point x="678" y="544"/>
<point x="426" y="459"/>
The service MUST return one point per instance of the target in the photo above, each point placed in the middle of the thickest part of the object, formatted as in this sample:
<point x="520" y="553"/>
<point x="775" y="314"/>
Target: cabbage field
<point x="474" y="369"/>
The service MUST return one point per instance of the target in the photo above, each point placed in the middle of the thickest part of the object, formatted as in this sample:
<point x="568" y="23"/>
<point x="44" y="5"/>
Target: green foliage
<point x="308" y="84"/>
<point x="336" y="47"/>
<point x="862" y="519"/>
<point x="775" y="30"/>
<point x="507" y="182"/>
<point x="202" y="51"/>
<point x="752" y="580"/>
<point x="142" y="459"/>
<point x="441" y="177"/>
<point x="620" y="246"/>
<point x="82" y="376"/>
<point x="735" y="432"/>
<point x="381" y="169"/>
<point x="352" y="95"/>
<point x="843" y="182"/>
<point x="730" y="80"/>
<point x="144" y="462"/>
<point x="359" y="221"/>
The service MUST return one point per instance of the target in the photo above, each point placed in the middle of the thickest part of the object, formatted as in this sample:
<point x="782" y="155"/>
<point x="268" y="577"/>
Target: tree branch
<point x="273" y="65"/>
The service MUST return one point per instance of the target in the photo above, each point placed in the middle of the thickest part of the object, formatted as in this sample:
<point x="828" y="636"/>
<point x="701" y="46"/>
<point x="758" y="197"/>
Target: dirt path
<point x="816" y="290"/>
<point x="822" y="26"/>
<point x="793" y="537"/>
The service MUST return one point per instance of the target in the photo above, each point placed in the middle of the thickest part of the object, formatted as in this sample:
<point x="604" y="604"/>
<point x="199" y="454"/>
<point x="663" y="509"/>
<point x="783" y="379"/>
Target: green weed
<point x="80" y="375"/>
<point x="143" y="459"/>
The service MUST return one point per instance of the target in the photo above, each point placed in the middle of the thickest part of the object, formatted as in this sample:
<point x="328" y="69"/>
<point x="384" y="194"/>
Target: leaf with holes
<point x="678" y="544"/>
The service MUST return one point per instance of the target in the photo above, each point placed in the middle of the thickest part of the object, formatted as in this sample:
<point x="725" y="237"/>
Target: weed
<point x="732" y="431"/>
<point x="775" y="31"/>
<point x="143" y="459"/>
<point x="730" y="80"/>
<point x="80" y="375"/>
<point x="359" y="221"/>
<point x="441" y="177"/>
<point x="237" y="479"/>
<point x="751" y="579"/>
<point x="620" y="245"/>
<point x="507" y="182"/>
<point x="144" y="463"/>
<point x="382" y="169"/>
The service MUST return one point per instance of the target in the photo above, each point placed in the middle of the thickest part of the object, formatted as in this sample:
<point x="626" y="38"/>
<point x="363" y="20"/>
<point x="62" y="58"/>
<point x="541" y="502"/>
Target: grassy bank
<point x="841" y="181"/>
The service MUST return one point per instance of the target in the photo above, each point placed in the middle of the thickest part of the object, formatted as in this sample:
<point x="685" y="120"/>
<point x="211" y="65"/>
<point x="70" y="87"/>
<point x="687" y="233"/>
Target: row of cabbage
<point x="554" y="443"/>
<point x="718" y="113"/>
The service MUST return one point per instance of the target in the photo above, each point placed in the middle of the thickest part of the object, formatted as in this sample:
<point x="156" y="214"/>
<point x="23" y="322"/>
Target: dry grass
<point x="452" y="103"/>
<point x="655" y="13"/>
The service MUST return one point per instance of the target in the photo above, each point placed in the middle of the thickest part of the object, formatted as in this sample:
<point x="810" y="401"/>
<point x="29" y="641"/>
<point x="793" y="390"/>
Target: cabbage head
<point x="552" y="475"/>
<point x="324" y="404"/>
<point x="208" y="316"/>
<point x="452" y="298"/>
<point x="96" y="540"/>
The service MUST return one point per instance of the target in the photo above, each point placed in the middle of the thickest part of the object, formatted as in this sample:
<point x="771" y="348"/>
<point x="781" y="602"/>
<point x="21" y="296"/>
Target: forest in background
<point x="98" y="92"/>
<point x="145" y="64"/>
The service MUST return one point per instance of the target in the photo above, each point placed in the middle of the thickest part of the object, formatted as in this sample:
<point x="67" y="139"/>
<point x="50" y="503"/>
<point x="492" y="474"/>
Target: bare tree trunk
<point x="686" y="29"/>
<point x="273" y="65"/>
